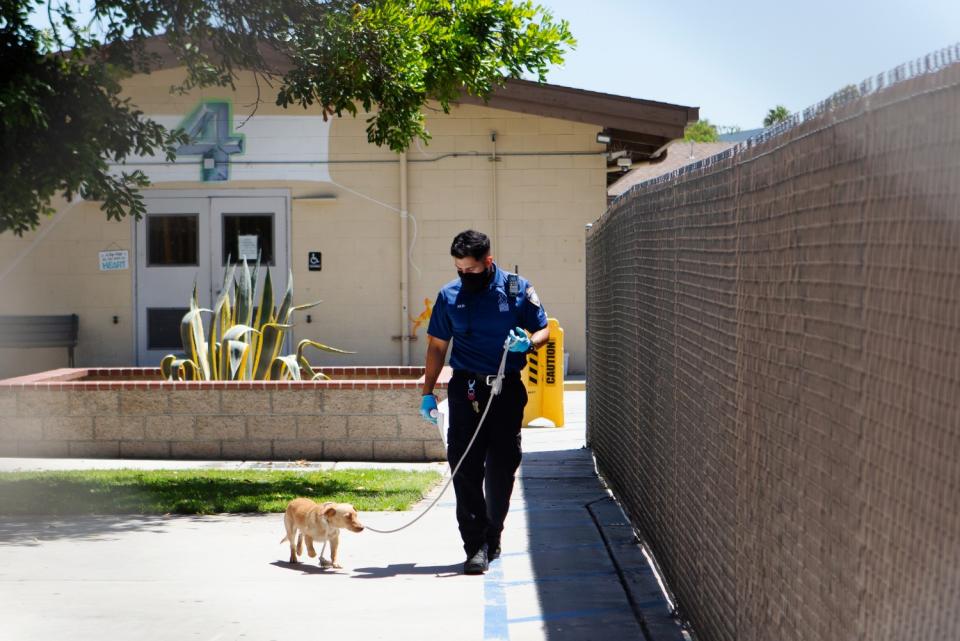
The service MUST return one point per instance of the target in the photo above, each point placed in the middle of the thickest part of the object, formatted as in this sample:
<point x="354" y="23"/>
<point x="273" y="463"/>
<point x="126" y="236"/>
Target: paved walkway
<point x="567" y="556"/>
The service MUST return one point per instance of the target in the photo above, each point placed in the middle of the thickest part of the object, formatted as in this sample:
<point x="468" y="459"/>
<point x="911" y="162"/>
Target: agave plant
<point x="239" y="345"/>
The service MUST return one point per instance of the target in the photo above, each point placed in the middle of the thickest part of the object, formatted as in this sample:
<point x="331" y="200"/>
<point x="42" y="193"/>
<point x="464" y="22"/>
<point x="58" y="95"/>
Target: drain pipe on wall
<point x="404" y="266"/>
<point x="493" y="195"/>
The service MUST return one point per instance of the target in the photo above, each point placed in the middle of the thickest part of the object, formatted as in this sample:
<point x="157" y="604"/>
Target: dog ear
<point x="330" y="512"/>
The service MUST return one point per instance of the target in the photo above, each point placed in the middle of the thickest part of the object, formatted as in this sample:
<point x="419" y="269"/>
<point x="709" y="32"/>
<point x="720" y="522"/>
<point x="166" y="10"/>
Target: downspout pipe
<point x="404" y="266"/>
<point x="494" y="214"/>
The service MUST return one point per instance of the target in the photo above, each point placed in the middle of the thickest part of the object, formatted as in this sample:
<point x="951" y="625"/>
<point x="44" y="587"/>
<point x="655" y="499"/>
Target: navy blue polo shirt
<point x="479" y="323"/>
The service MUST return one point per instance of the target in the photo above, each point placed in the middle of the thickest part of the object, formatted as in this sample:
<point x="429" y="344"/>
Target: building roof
<point x="639" y="128"/>
<point x="679" y="153"/>
<point x="659" y="121"/>
<point x="742" y="135"/>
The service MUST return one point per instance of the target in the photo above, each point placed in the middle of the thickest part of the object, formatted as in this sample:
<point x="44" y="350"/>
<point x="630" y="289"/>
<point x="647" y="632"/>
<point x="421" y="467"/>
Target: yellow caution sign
<point x="543" y="377"/>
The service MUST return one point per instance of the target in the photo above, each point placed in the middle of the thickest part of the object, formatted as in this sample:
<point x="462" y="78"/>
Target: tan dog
<point x="318" y="522"/>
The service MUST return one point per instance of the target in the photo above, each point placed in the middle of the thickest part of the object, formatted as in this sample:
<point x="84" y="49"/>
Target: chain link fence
<point x="774" y="369"/>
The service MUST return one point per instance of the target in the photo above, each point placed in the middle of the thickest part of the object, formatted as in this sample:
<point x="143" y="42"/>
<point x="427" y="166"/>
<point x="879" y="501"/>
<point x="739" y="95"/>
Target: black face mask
<point x="474" y="283"/>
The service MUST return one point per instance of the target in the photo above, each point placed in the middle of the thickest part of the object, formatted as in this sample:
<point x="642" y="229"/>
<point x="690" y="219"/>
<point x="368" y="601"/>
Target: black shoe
<point x="493" y="552"/>
<point x="478" y="563"/>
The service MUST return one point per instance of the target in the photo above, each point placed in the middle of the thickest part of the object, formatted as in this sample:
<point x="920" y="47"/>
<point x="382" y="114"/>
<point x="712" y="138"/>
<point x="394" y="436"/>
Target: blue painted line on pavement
<point x="495" y="626"/>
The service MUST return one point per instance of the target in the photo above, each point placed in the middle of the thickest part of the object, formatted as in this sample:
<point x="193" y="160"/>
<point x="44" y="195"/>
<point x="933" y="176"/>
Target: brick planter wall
<point x="365" y="413"/>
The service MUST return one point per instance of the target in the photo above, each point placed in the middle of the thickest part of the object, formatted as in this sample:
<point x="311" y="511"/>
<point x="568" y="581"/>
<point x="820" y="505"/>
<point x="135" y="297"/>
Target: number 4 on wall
<point x="209" y="128"/>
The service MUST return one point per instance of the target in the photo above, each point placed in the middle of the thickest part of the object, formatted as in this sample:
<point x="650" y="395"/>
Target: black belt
<point x="484" y="378"/>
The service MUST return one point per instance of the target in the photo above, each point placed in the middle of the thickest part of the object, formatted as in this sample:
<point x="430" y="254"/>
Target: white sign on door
<point x="247" y="247"/>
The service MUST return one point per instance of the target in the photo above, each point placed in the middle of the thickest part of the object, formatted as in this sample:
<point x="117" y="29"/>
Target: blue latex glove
<point x="428" y="408"/>
<point x="518" y="341"/>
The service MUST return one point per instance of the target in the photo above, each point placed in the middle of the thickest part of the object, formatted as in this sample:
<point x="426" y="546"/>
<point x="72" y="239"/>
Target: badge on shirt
<point x="502" y="302"/>
<point x="532" y="296"/>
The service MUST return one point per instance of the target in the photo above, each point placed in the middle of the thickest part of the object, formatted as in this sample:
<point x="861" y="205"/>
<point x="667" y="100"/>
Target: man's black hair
<point x="470" y="243"/>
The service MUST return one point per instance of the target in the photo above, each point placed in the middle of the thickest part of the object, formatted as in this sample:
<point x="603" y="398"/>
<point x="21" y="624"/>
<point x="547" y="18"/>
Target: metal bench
<point x="40" y="331"/>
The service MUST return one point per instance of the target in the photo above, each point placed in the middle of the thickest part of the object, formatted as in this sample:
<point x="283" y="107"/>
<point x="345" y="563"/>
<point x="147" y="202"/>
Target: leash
<point x="495" y="388"/>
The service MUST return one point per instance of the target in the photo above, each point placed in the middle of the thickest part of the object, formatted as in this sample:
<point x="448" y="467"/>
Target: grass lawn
<point x="204" y="491"/>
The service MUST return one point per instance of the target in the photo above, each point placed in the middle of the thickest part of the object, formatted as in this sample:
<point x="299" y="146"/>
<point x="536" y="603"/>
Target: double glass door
<point x="186" y="240"/>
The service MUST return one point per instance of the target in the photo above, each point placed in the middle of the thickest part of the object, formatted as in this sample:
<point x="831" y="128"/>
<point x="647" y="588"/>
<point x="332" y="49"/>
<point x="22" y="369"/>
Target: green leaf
<point x="285" y="367"/>
<point x="237" y="331"/>
<point x="283" y="314"/>
<point x="299" y="308"/>
<point x="238" y="352"/>
<point x="184" y="369"/>
<point x="217" y="322"/>
<point x="265" y="310"/>
<point x="268" y="348"/>
<point x="244" y="296"/>
<point x="166" y="364"/>
<point x="191" y="335"/>
<point x="305" y="343"/>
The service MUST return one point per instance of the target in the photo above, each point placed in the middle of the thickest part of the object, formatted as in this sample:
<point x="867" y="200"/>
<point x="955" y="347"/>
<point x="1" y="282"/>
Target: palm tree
<point x="775" y="115"/>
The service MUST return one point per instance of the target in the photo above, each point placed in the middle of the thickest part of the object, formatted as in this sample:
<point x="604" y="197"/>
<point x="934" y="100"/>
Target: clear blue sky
<point x="735" y="60"/>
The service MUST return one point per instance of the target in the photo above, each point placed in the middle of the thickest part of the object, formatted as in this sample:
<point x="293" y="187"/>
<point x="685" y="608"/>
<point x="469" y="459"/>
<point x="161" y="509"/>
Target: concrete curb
<point x="636" y="574"/>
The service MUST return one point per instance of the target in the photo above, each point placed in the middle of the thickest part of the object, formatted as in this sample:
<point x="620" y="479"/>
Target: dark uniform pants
<point x="484" y="483"/>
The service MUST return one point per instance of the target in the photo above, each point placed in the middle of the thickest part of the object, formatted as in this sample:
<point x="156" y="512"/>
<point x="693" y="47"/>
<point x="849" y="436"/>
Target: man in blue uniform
<point x="478" y="311"/>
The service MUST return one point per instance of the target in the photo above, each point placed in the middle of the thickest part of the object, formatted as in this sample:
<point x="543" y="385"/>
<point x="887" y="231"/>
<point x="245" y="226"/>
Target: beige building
<point x="316" y="198"/>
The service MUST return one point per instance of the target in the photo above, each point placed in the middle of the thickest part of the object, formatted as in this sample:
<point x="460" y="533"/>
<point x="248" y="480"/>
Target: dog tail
<point x="286" y="537"/>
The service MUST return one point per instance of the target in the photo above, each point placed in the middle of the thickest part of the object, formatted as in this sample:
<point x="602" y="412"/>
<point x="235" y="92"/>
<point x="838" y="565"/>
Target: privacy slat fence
<point x="774" y="369"/>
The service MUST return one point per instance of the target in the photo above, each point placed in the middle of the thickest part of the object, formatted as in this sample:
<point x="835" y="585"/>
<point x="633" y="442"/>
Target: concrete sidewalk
<point x="568" y="556"/>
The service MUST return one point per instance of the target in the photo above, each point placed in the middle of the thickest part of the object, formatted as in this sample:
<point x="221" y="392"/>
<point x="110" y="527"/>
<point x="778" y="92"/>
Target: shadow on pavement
<point x="398" y="569"/>
<point x="305" y="567"/>
<point x="35" y="530"/>
<point x="570" y="573"/>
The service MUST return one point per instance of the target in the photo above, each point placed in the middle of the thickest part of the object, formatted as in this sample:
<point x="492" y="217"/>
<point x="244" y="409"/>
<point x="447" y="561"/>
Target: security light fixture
<point x="603" y="138"/>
